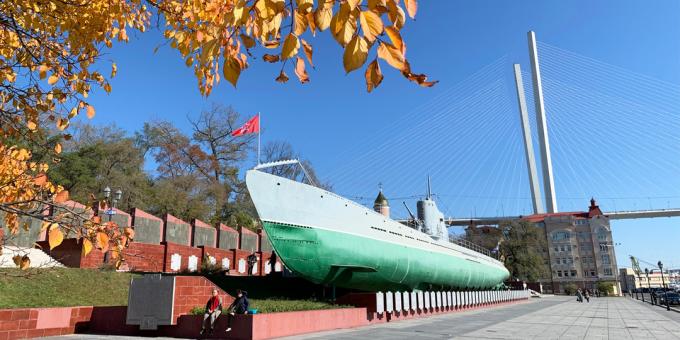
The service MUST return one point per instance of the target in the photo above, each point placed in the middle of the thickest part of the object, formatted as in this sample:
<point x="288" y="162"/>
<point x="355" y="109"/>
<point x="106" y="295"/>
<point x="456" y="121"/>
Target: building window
<point x="561" y="235"/>
<point x="605" y="259"/>
<point x="573" y="273"/>
<point x="592" y="273"/>
<point x="602" y="234"/>
<point x="556" y="249"/>
<point x="608" y="271"/>
<point x="559" y="273"/>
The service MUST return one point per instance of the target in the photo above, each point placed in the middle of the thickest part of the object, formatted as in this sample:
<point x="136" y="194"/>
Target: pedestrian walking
<point x="579" y="295"/>
<point x="587" y="296"/>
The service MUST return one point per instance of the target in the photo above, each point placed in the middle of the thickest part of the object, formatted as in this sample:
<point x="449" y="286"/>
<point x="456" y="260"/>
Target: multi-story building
<point x="580" y="249"/>
<point x="630" y="281"/>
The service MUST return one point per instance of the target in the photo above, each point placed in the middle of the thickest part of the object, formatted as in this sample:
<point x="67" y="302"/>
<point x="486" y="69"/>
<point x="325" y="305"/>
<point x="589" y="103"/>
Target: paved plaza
<point x="556" y="317"/>
<point x="547" y="318"/>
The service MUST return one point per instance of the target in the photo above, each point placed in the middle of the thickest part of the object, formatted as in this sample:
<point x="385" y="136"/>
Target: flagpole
<point x="259" y="132"/>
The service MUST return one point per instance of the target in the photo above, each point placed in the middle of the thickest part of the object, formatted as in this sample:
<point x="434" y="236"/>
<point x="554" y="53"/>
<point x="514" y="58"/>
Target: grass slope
<point x="63" y="287"/>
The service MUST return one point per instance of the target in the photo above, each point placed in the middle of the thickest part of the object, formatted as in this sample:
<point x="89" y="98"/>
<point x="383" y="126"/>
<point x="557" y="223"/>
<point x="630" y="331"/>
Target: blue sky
<point x="464" y="131"/>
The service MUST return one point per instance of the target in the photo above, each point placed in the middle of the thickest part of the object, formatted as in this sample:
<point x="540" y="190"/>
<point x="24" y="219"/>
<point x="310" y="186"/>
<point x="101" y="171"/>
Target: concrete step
<point x="39" y="259"/>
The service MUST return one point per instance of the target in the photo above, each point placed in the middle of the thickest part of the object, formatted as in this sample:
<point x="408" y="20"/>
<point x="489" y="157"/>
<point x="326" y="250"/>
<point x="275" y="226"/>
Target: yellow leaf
<point x="396" y="14"/>
<point x="373" y="75"/>
<point x="343" y="26"/>
<point x="300" y="71"/>
<point x="371" y="24"/>
<point x="392" y="56"/>
<point x="290" y="47"/>
<point x="55" y="236"/>
<point x="25" y="262"/>
<point x="395" y="37"/>
<point x="90" y="111"/>
<point x="307" y="48"/>
<point x="353" y="3"/>
<point x="231" y="70"/>
<point x="42" y="70"/>
<point x="322" y="17"/>
<point x="62" y="124"/>
<point x="305" y="5"/>
<point x="87" y="247"/>
<point x="355" y="54"/>
<point x="411" y="7"/>
<point x="103" y="241"/>
<point x="57" y="148"/>
<point x="282" y="78"/>
<point x="52" y="79"/>
<point x="300" y="23"/>
<point x="114" y="70"/>
<point x="31" y="125"/>
<point x="61" y="196"/>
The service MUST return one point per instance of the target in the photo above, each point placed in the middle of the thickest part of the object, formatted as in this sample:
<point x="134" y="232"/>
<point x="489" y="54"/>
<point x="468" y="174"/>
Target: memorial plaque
<point x="414" y="301"/>
<point x="433" y="299"/>
<point x="248" y="241"/>
<point x="267" y="269"/>
<point x="406" y="301"/>
<point x="241" y="266"/>
<point x="148" y="230"/>
<point x="204" y="236"/>
<point x="426" y="296"/>
<point x="177" y="231"/>
<point x="175" y="262"/>
<point x="389" y="302"/>
<point x="379" y="302"/>
<point x="228" y="240"/>
<point x="23" y="238"/>
<point x="421" y="300"/>
<point x="439" y="300"/>
<point x="449" y="300"/>
<point x="277" y="267"/>
<point x="150" y="301"/>
<point x="193" y="263"/>
<point x="225" y="263"/>
<point x="397" y="301"/>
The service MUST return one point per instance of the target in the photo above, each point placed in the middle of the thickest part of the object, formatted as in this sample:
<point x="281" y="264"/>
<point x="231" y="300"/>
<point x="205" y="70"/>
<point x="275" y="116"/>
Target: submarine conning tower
<point x="431" y="217"/>
<point x="381" y="205"/>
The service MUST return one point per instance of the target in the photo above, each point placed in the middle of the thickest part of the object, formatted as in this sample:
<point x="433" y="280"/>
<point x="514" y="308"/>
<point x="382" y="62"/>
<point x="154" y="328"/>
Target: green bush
<point x="605" y="288"/>
<point x="570" y="289"/>
<point x="279" y="305"/>
<point x="209" y="268"/>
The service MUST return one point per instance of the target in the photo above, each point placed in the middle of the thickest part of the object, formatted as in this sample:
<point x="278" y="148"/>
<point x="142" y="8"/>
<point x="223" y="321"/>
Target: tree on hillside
<point x="521" y="249"/>
<point x="51" y="62"/>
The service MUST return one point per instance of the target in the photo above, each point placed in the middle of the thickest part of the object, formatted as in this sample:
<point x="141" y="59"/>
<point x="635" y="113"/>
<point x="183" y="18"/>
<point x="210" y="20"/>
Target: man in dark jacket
<point x="213" y="309"/>
<point x="239" y="306"/>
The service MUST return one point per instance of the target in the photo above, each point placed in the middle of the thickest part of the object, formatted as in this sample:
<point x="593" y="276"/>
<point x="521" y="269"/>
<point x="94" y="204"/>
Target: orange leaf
<point x="57" y="148"/>
<point x="61" y="196"/>
<point x="270" y="58"/>
<point x="40" y="180"/>
<point x="25" y="262"/>
<point x="102" y="241"/>
<point x="300" y="71"/>
<point x="55" y="236"/>
<point x="373" y="75"/>
<point x="90" y="111"/>
<point x="129" y="232"/>
<point x="392" y="56"/>
<point x="396" y="39"/>
<point x="308" y="51"/>
<point x="411" y="7"/>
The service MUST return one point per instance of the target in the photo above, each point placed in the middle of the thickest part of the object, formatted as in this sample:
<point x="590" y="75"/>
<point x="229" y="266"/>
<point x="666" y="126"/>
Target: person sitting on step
<point x="213" y="309"/>
<point x="239" y="306"/>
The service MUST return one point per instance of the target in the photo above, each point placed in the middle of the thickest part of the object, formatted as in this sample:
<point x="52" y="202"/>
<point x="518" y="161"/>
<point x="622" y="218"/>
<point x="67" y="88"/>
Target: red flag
<point x="251" y="126"/>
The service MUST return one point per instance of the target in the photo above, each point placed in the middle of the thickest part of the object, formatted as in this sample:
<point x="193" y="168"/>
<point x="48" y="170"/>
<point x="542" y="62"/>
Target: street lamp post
<point x="642" y="293"/>
<point x="649" y="287"/>
<point x="110" y="209"/>
<point x="663" y="285"/>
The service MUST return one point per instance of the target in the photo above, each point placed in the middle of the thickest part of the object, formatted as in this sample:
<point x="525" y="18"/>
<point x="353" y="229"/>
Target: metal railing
<point x="472" y="246"/>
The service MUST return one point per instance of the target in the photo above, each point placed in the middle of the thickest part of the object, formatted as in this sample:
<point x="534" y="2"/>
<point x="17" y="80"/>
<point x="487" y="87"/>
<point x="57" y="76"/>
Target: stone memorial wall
<point x="176" y="230"/>
<point x="148" y="228"/>
<point x="203" y="234"/>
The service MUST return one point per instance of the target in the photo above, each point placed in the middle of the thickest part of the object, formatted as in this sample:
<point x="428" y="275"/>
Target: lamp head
<point x="107" y="192"/>
<point x="646" y="271"/>
<point x="119" y="194"/>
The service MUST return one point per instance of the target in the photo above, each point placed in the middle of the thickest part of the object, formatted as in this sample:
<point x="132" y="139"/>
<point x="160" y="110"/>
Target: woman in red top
<point x="213" y="309"/>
